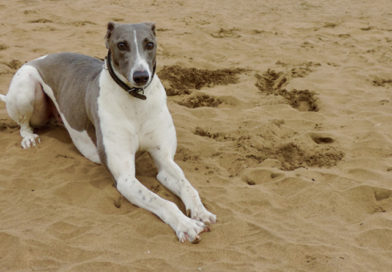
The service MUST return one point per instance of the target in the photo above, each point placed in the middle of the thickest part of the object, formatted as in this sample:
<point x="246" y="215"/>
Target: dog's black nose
<point x="140" y="77"/>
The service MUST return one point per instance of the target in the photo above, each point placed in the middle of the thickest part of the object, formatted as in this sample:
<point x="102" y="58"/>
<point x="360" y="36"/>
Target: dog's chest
<point x="130" y="118"/>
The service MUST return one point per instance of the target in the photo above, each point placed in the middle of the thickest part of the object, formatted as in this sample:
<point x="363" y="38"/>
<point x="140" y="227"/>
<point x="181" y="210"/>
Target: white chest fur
<point x="135" y="123"/>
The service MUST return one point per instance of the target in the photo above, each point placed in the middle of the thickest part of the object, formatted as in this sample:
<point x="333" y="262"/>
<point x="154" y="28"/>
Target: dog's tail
<point x="3" y="98"/>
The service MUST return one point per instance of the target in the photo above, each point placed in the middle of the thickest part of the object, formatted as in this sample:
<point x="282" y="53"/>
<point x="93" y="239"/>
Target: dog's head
<point x="133" y="50"/>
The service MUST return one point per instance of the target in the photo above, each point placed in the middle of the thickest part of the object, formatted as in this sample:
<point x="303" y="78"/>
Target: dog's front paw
<point x="30" y="140"/>
<point x="190" y="229"/>
<point x="201" y="214"/>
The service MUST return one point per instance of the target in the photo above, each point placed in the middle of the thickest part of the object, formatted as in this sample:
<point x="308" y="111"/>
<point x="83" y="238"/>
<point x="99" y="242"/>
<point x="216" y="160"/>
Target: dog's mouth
<point x="133" y="85"/>
<point x="137" y="92"/>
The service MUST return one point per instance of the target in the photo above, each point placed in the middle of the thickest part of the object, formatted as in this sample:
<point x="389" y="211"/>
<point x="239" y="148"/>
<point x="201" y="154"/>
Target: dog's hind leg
<point x="27" y="104"/>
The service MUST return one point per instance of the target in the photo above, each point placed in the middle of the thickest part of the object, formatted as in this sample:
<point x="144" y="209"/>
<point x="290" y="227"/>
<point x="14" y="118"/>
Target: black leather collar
<point x="136" y="92"/>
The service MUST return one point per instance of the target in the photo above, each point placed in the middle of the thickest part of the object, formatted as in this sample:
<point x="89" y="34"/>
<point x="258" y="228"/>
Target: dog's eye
<point x="122" y="46"/>
<point x="150" y="45"/>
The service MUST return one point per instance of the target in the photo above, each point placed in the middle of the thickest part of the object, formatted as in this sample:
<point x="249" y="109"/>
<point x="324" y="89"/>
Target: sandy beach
<point x="283" y="112"/>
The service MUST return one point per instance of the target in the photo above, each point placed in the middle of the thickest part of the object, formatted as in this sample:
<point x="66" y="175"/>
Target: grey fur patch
<point x="75" y="79"/>
<point x="76" y="83"/>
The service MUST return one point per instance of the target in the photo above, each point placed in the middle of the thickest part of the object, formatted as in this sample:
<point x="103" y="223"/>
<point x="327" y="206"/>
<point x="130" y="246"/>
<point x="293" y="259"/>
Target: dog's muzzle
<point x="140" y="77"/>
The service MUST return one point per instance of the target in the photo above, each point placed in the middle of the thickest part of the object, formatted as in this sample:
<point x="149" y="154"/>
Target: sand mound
<point x="200" y="100"/>
<point x="272" y="82"/>
<point x="180" y="80"/>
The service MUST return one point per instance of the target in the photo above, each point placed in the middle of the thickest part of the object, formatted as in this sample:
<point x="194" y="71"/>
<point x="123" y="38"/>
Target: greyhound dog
<point x="111" y="109"/>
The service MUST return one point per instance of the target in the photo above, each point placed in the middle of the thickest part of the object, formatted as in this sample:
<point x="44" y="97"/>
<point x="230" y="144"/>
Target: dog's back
<point x="76" y="76"/>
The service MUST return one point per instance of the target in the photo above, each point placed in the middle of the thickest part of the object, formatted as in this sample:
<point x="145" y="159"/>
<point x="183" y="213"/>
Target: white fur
<point x="41" y="58"/>
<point x="129" y="124"/>
<point x="20" y="102"/>
<point x="140" y="62"/>
<point x="3" y="98"/>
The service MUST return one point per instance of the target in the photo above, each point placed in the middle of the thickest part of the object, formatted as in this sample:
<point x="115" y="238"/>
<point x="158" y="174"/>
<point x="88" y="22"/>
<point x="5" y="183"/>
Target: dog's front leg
<point x="171" y="175"/>
<point x="122" y="166"/>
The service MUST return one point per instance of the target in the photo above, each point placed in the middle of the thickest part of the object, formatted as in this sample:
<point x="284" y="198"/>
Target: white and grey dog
<point x="111" y="109"/>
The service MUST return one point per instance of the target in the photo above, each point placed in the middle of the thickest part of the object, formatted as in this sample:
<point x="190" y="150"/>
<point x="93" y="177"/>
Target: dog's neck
<point x="136" y="92"/>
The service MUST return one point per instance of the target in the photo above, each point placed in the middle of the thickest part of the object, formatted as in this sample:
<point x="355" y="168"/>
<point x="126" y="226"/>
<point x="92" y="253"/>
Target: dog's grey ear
<point x="152" y="26"/>
<point x="109" y="31"/>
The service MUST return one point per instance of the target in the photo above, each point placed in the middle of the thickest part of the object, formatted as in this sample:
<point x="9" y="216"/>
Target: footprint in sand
<point x="201" y="100"/>
<point x="382" y="82"/>
<point x="40" y="21"/>
<point x="179" y="80"/>
<point x="272" y="82"/>
<point x="226" y="33"/>
<point x="217" y="136"/>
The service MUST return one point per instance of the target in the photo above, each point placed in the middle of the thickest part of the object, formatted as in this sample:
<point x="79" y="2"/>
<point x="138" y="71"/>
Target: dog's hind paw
<point x="30" y="140"/>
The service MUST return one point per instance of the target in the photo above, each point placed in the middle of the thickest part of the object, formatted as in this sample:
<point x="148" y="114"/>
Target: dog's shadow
<point x="57" y="132"/>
